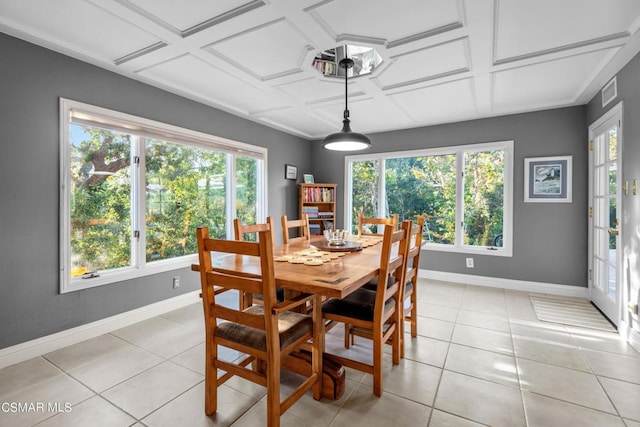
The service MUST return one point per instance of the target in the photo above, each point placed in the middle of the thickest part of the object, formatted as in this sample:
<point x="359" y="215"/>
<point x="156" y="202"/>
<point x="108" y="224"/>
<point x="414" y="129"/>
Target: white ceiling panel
<point x="443" y="60"/>
<point x="365" y="113"/>
<point x="548" y="83"/>
<point x="282" y="118"/>
<point x="194" y="76"/>
<point x="391" y="21"/>
<point x="312" y="90"/>
<point x="79" y="25"/>
<point x="185" y="14"/>
<point x="425" y="64"/>
<point x="275" y="48"/>
<point x="441" y="103"/>
<point x="526" y="27"/>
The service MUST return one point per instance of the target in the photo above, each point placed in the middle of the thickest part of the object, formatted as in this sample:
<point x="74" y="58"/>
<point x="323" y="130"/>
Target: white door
<point x="604" y="231"/>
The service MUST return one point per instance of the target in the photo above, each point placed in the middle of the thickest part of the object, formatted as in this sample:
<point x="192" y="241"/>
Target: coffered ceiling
<point x="443" y="60"/>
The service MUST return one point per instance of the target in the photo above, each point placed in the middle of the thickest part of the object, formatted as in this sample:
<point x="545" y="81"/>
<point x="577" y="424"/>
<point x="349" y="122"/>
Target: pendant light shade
<point x="346" y="140"/>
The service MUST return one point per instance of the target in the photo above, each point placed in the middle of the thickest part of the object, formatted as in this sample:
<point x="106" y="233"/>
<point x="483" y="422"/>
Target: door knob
<point x="614" y="231"/>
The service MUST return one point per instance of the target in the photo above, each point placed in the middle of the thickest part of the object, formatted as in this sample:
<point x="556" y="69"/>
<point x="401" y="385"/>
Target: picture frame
<point x="308" y="178"/>
<point x="548" y="179"/>
<point x="290" y="172"/>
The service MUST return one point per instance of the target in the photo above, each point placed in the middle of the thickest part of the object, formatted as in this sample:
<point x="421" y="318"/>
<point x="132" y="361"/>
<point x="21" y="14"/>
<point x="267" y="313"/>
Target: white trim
<point x="631" y="335"/>
<point x="497" y="282"/>
<point x="34" y="348"/>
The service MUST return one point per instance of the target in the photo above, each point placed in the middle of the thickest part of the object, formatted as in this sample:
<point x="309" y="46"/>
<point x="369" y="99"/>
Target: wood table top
<point x="335" y="278"/>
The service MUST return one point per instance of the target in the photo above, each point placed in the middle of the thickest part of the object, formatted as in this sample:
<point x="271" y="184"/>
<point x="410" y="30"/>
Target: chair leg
<point x="347" y="336"/>
<point x="211" y="381"/>
<point x="377" y="363"/>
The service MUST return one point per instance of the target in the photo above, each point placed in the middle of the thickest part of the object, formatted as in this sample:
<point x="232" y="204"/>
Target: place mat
<point x="311" y="256"/>
<point x="569" y="311"/>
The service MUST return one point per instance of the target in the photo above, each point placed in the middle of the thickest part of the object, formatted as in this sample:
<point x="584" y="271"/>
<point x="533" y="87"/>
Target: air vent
<point x="609" y="92"/>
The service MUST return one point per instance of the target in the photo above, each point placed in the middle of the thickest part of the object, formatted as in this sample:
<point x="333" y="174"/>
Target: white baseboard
<point x="30" y="349"/>
<point x="517" y="285"/>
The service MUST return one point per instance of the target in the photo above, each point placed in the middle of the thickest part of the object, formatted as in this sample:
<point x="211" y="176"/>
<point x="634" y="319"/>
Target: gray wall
<point x="31" y="81"/>
<point x="550" y="239"/>
<point x="629" y="93"/>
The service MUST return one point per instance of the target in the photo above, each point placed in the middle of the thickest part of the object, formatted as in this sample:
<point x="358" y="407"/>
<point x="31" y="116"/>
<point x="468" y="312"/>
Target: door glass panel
<point x="599" y="179"/>
<point x="599" y="153"/>
<point x="613" y="143"/>
<point x="613" y="179"/>
<point x="599" y="212"/>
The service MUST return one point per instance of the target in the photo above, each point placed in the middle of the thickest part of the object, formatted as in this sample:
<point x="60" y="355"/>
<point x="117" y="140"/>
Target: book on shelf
<point x="314" y="229"/>
<point x="325" y="214"/>
<point x="310" y="211"/>
<point x="318" y="195"/>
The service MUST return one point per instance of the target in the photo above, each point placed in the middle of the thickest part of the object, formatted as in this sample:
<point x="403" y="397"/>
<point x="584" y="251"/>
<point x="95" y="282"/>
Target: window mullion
<point x="231" y="193"/>
<point x="138" y="229"/>
<point x="382" y="192"/>
<point x="459" y="242"/>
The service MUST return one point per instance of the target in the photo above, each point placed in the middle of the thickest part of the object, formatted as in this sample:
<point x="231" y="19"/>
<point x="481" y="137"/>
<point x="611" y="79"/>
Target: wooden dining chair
<point x="410" y="288"/>
<point x="376" y="314"/>
<point x="365" y="223"/>
<point x="250" y="232"/>
<point x="301" y="224"/>
<point x="262" y="333"/>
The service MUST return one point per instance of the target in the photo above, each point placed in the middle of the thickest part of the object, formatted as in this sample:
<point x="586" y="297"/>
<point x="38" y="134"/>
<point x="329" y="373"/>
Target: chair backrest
<point x="363" y="222"/>
<point x="215" y="281"/>
<point x="240" y="230"/>
<point x="413" y="251"/>
<point x="392" y="258"/>
<point x="301" y="224"/>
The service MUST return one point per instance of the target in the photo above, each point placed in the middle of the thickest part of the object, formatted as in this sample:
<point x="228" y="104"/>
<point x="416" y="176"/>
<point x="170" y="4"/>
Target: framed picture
<point x="290" y="172"/>
<point x="547" y="179"/>
<point x="308" y="178"/>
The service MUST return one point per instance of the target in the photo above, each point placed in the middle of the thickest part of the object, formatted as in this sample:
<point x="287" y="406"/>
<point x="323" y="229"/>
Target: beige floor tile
<point x="364" y="409"/>
<point x="554" y="353"/>
<point x="189" y="315"/>
<point x="480" y="400"/>
<point x="565" y="384"/>
<point x="55" y="394"/>
<point x="115" y="367"/>
<point x="410" y="380"/>
<point x="485" y="339"/>
<point x="551" y="332"/>
<point x="425" y="350"/>
<point x="151" y="389"/>
<point x="25" y="374"/>
<point x="440" y="312"/>
<point x="188" y="409"/>
<point x="484" y="320"/>
<point x="547" y="412"/>
<point x="94" y="412"/>
<point x="603" y="341"/>
<point x="161" y="336"/>
<point x="434" y="328"/>
<point x="612" y="365"/>
<point x="625" y="397"/>
<point x="442" y="419"/>
<point x="86" y="352"/>
<point x="519" y="305"/>
<point x="487" y="365"/>
<point x="631" y="423"/>
<point x="256" y="416"/>
<point x="484" y="300"/>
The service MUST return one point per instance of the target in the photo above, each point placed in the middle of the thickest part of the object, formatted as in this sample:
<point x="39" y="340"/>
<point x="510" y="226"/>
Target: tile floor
<point x="482" y="358"/>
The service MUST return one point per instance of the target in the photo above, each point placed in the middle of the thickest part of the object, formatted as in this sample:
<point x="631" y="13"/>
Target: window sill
<point x="122" y="275"/>
<point x="502" y="252"/>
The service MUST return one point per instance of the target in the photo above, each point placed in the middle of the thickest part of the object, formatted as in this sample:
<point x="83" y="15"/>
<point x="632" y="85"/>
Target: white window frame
<point x="139" y="267"/>
<point x="507" y="243"/>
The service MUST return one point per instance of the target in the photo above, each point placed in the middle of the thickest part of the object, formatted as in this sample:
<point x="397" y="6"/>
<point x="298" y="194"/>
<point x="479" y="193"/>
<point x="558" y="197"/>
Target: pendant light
<point x="346" y="140"/>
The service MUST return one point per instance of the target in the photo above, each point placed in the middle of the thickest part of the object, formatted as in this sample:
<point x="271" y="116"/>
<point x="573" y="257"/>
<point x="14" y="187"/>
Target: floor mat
<point x="569" y="311"/>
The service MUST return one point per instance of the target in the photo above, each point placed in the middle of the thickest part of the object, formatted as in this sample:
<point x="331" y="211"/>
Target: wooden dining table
<point x="334" y="279"/>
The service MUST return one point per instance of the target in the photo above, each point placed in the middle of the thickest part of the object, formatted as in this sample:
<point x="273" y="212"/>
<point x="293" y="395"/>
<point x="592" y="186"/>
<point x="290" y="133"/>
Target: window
<point x="465" y="191"/>
<point x="135" y="190"/>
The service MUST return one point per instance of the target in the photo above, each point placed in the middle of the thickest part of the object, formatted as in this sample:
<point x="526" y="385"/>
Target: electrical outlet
<point x="469" y="262"/>
<point x="176" y="282"/>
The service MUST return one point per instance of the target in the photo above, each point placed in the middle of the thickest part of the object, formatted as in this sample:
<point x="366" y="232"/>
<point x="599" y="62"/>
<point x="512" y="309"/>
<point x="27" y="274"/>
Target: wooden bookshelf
<point x="318" y="201"/>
